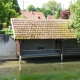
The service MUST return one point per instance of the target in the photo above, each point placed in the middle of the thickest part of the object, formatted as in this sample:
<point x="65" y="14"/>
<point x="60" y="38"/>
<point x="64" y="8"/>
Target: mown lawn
<point x="51" y="71"/>
<point x="56" y="75"/>
<point x="40" y="70"/>
<point x="9" y="70"/>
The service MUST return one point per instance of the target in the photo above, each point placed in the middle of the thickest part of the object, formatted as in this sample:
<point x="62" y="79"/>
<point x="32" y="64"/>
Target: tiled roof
<point x="33" y="15"/>
<point x="41" y="29"/>
<point x="51" y="17"/>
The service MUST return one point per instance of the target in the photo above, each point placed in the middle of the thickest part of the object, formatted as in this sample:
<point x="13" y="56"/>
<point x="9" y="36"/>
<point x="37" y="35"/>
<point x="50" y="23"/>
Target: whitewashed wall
<point x="7" y="46"/>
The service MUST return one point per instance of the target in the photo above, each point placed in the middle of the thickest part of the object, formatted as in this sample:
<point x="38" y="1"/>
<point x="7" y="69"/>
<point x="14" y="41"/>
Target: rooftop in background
<point x="33" y="15"/>
<point x="41" y="29"/>
<point x="51" y="17"/>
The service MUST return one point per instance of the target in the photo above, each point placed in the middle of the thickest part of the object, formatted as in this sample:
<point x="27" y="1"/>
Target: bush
<point x="64" y="14"/>
<point x="4" y="25"/>
<point x="2" y="32"/>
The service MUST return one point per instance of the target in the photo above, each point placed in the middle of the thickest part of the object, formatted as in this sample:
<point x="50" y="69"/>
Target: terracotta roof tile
<point x="33" y="15"/>
<point x="51" y="17"/>
<point x="41" y="29"/>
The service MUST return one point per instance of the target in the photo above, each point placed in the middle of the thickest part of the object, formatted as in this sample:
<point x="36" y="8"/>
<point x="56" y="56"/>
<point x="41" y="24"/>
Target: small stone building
<point x="49" y="37"/>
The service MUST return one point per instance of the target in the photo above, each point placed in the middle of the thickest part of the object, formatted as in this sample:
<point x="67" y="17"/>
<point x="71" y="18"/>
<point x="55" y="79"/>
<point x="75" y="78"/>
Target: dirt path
<point x="6" y="64"/>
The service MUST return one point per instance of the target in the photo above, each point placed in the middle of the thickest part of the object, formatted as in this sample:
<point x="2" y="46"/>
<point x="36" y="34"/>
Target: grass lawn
<point x="40" y="70"/>
<point x="56" y="75"/>
<point x="51" y="71"/>
<point x="9" y="70"/>
<point x="9" y="73"/>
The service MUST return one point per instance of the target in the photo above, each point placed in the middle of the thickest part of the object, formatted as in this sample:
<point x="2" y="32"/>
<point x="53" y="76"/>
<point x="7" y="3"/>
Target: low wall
<point x="7" y="47"/>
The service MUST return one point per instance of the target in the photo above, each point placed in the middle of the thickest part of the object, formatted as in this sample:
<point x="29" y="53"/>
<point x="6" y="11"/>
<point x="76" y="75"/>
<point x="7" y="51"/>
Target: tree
<point x="75" y="8"/>
<point x="2" y="11"/>
<point x="38" y="9"/>
<point x="49" y="8"/>
<point x="15" y="6"/>
<point x="53" y="6"/>
<point x="8" y="9"/>
<point x="45" y="12"/>
<point x="31" y="8"/>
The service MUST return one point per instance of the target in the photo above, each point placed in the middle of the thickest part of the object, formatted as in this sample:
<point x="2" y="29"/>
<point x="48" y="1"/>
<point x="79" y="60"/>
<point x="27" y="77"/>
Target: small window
<point x="40" y="47"/>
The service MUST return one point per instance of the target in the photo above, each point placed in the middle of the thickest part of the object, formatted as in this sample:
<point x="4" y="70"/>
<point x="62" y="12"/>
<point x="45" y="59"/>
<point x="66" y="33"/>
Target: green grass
<point x="8" y="73"/>
<point x="56" y="75"/>
<point x="46" y="75"/>
<point x="51" y="71"/>
<point x="41" y="70"/>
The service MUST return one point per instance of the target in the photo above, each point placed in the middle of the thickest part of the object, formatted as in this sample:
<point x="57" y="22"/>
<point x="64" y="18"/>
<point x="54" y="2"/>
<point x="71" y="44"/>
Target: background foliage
<point x="8" y="9"/>
<point x="65" y="14"/>
<point x="49" y="8"/>
<point x="75" y="8"/>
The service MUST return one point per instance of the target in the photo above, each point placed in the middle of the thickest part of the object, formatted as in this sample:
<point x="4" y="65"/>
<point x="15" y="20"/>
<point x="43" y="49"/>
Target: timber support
<point x="61" y="50"/>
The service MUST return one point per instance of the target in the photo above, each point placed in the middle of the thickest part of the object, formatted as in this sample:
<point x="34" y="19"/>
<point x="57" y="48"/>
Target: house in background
<point x="32" y="15"/>
<point x="51" y="17"/>
<point x="39" y="38"/>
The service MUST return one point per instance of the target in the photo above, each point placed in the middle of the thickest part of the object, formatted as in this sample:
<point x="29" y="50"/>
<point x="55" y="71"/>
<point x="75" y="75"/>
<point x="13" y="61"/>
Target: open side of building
<point x="48" y="47"/>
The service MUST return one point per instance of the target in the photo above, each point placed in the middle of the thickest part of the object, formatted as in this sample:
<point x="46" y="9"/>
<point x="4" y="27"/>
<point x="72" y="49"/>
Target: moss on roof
<point x="41" y="29"/>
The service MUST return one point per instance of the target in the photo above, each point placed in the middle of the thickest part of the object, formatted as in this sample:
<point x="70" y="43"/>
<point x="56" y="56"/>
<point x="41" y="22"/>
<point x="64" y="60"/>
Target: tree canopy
<point x="75" y="8"/>
<point x="8" y="9"/>
<point x="31" y="8"/>
<point x="53" y="6"/>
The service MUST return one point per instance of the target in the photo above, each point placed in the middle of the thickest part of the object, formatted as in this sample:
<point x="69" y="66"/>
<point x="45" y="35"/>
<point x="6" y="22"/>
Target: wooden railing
<point x="40" y="52"/>
<point x="43" y="50"/>
<point x="71" y="50"/>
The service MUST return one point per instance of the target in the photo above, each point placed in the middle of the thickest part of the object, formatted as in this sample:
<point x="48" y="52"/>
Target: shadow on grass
<point x="42" y="60"/>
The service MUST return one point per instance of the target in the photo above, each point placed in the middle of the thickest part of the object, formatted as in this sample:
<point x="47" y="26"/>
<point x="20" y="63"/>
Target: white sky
<point x="38" y="3"/>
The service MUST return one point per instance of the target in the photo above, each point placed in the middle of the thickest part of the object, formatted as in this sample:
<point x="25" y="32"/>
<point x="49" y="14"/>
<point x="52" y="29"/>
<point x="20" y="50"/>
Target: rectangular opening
<point x="40" y="48"/>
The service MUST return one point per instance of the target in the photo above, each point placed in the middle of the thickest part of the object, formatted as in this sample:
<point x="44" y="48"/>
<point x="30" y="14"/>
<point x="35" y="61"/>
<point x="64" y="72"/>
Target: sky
<point x="38" y="3"/>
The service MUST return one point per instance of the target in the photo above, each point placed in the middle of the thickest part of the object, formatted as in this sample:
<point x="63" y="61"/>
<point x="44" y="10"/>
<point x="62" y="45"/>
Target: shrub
<point x="2" y="32"/>
<point x="64" y="14"/>
<point x="4" y="25"/>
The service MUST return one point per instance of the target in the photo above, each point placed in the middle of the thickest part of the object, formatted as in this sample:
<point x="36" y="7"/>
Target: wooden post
<point x="19" y="63"/>
<point x="19" y="59"/>
<point x="61" y="57"/>
<point x="61" y="50"/>
<point x="18" y="47"/>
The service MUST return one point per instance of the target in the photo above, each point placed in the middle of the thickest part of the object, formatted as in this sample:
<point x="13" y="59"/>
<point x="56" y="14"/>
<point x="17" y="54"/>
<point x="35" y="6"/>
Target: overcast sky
<point x="38" y="3"/>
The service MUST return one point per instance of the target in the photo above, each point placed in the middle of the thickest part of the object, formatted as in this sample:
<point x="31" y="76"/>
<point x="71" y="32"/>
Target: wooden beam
<point x="62" y="43"/>
<point x="18" y="47"/>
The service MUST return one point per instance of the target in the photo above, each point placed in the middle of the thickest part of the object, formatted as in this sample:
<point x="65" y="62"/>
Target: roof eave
<point x="13" y="29"/>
